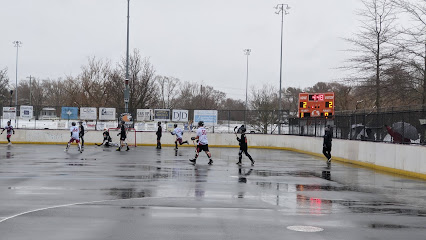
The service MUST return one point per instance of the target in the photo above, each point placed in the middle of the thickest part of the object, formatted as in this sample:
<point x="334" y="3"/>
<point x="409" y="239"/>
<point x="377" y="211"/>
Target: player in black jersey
<point x="123" y="136"/>
<point x="243" y="146"/>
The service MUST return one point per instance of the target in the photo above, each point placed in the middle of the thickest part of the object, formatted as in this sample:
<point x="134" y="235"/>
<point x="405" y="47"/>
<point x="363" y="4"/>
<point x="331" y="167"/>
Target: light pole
<point x="126" y="83"/>
<point x="247" y="53"/>
<point x="30" y="87"/>
<point x="281" y="10"/>
<point x="17" y="45"/>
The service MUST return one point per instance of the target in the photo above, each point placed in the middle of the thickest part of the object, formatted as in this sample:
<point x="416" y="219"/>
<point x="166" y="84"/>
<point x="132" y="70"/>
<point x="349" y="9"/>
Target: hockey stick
<point x="235" y="131"/>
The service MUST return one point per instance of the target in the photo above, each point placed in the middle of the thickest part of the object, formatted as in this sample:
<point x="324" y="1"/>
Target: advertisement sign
<point x="144" y="115"/>
<point x="26" y="111"/>
<point x="106" y="113"/>
<point x="69" y="113"/>
<point x="9" y="112"/>
<point x="88" y="113"/>
<point x="180" y="116"/>
<point x="209" y="117"/>
<point x="161" y="114"/>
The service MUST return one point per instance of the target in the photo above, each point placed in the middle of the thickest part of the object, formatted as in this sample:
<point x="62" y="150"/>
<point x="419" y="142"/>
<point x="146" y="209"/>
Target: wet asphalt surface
<point x="146" y="193"/>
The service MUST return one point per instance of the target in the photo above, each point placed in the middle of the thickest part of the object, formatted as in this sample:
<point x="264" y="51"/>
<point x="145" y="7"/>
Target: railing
<point x="366" y="125"/>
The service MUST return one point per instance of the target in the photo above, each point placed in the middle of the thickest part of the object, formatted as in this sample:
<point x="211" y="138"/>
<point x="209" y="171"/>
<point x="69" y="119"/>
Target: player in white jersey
<point x="203" y="143"/>
<point x="75" y="136"/>
<point x="179" y="133"/>
<point x="9" y="130"/>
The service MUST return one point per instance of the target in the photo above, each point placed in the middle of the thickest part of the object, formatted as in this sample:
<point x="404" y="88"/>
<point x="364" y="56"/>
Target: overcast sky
<point x="194" y="40"/>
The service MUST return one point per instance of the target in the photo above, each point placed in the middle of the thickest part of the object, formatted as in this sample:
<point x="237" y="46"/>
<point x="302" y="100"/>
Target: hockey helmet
<point x="73" y="123"/>
<point x="200" y="123"/>
<point x="175" y="125"/>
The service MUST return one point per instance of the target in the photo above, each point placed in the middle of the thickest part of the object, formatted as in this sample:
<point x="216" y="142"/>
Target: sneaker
<point x="127" y="148"/>
<point x="329" y="160"/>
<point x="118" y="149"/>
<point x="238" y="163"/>
<point x="193" y="160"/>
<point x="210" y="162"/>
<point x="252" y="162"/>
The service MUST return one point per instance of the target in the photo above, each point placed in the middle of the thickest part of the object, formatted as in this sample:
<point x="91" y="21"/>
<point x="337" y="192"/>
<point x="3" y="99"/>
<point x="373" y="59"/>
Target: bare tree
<point x="373" y="51"/>
<point x="264" y="102"/>
<point x="412" y="44"/>
<point x="143" y="89"/>
<point x="168" y="90"/>
<point x="4" y="87"/>
<point x="291" y="100"/>
<point x="196" y="96"/>
<point x="92" y="80"/>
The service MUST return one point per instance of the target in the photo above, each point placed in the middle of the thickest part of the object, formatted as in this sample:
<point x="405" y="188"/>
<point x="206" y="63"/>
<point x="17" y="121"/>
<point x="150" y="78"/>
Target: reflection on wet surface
<point x="282" y="186"/>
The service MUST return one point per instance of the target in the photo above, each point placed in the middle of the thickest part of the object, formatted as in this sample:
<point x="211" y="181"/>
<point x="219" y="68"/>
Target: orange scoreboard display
<point x="316" y="105"/>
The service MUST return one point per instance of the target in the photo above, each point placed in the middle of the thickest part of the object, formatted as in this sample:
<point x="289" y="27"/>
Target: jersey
<point x="159" y="131"/>
<point x="81" y="131"/>
<point x="75" y="132"/>
<point x="202" y="136"/>
<point x="243" y="141"/>
<point x="123" y="134"/>
<point x="328" y="137"/>
<point x="9" y="129"/>
<point x="178" y="132"/>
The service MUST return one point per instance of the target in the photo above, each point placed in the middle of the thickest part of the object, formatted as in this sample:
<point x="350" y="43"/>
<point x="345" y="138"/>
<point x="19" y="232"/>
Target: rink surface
<point x="46" y="193"/>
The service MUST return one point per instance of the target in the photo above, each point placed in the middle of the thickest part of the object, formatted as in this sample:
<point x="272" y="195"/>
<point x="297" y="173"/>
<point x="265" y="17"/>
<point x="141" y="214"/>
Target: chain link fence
<point x="399" y="125"/>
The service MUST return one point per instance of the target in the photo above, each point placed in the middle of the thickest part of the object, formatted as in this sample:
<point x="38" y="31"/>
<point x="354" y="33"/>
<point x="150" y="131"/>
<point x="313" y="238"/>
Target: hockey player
<point x="74" y="137"/>
<point x="179" y="133"/>
<point x="81" y="134"/>
<point x="326" y="146"/>
<point x="107" y="142"/>
<point x="123" y="136"/>
<point x="159" y="133"/>
<point x="203" y="144"/>
<point x="9" y="130"/>
<point x="243" y="146"/>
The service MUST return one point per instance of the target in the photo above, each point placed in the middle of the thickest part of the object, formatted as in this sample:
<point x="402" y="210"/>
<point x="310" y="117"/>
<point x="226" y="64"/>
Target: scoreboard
<point x="316" y="105"/>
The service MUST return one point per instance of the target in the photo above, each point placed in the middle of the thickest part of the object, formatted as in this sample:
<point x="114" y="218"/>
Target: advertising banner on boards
<point x="209" y="117"/>
<point x="107" y="114"/>
<point x="144" y="115"/>
<point x="88" y="113"/>
<point x="69" y="113"/>
<point x="161" y="114"/>
<point x="180" y="116"/>
<point x="9" y="112"/>
<point x="26" y="112"/>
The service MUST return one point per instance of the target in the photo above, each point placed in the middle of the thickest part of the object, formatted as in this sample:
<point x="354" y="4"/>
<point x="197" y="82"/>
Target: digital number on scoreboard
<point x="316" y="105"/>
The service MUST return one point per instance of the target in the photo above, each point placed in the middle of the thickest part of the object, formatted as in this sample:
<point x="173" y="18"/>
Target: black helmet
<point x="200" y="123"/>
<point x="73" y="123"/>
<point x="243" y="128"/>
<point x="175" y="125"/>
<point x="159" y="124"/>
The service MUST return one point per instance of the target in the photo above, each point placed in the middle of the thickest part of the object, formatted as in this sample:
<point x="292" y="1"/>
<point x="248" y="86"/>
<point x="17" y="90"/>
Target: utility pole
<point x="17" y="45"/>
<point x="247" y="53"/>
<point x="30" y="88"/>
<point x="283" y="11"/>
<point x="126" y="86"/>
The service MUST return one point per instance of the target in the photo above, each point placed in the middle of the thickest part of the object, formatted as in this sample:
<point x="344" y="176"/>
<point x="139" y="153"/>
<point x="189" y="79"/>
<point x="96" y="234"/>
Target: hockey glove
<point x="192" y="138"/>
